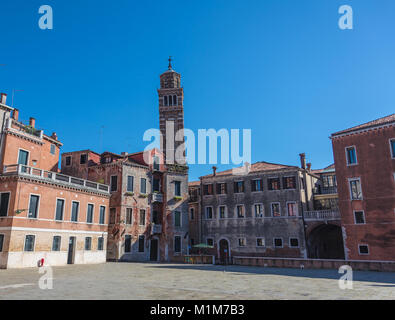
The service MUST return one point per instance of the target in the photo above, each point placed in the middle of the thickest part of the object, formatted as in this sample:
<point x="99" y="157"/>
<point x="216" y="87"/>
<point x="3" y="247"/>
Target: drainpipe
<point x="303" y="167"/>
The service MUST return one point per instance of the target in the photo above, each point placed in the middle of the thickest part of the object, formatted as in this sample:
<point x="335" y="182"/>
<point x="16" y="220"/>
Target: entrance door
<point x="154" y="250"/>
<point x="224" y="251"/>
<point x="70" y="255"/>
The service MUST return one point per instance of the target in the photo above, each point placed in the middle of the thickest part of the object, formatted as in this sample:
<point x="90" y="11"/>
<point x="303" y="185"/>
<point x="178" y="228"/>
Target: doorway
<point x="154" y="250"/>
<point x="71" y="251"/>
<point x="224" y="251"/>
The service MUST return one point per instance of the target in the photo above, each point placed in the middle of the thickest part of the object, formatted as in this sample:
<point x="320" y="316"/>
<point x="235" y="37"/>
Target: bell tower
<point x="171" y="116"/>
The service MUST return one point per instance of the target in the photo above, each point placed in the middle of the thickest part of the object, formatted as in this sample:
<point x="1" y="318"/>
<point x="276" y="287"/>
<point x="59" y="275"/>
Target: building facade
<point x="365" y="165"/>
<point x="44" y="214"/>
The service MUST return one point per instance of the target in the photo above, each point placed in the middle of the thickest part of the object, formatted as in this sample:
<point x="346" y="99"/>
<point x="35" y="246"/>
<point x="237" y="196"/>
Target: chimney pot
<point x="54" y="136"/>
<point x="3" y="98"/>
<point x="214" y="170"/>
<point x="32" y="122"/>
<point x="309" y="166"/>
<point x="302" y="160"/>
<point x="15" y="114"/>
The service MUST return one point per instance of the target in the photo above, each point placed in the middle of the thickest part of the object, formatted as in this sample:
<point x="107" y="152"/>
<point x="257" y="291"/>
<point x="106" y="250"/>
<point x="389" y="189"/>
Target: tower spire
<point x="170" y="67"/>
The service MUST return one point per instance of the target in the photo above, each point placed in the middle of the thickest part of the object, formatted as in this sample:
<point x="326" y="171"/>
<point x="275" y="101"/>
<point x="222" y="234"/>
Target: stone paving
<point x="178" y="281"/>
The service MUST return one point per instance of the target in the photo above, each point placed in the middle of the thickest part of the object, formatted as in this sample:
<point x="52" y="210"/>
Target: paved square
<point x="178" y="281"/>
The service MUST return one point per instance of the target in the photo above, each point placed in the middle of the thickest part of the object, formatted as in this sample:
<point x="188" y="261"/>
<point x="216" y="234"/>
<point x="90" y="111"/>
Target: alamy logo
<point x="345" y="281"/>
<point x="46" y="281"/>
<point x="346" y="20"/>
<point x="46" y="20"/>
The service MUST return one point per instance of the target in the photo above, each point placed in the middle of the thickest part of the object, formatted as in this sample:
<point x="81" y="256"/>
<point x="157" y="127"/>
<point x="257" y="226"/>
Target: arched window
<point x="174" y="100"/>
<point x="165" y="100"/>
<point x="170" y="101"/>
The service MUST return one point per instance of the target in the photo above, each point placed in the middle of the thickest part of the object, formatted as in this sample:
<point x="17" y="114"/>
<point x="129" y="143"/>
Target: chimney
<point x="309" y="167"/>
<point x="32" y="122"/>
<point x="15" y="114"/>
<point x="3" y="98"/>
<point x="54" y="136"/>
<point x="214" y="171"/>
<point x="302" y="160"/>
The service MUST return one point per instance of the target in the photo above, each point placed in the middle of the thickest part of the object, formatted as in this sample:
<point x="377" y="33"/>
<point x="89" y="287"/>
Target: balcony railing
<point x="157" y="197"/>
<point x="19" y="169"/>
<point x="322" y="215"/>
<point x="325" y="190"/>
<point x="156" y="228"/>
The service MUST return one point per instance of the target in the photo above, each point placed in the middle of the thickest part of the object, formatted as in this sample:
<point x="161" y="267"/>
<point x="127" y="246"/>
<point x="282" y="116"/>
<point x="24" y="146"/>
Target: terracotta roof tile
<point x="377" y="122"/>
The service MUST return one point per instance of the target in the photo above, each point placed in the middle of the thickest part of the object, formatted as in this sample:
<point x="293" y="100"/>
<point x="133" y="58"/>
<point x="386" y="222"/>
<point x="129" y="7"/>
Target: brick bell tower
<point x="171" y="116"/>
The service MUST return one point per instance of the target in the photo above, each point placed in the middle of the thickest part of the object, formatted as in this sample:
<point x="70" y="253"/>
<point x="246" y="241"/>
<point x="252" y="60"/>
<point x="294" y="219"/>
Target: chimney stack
<point x="15" y="114"/>
<point x="302" y="160"/>
<point x="54" y="136"/>
<point x="214" y="171"/>
<point x="3" y="98"/>
<point x="309" y="167"/>
<point x="32" y="122"/>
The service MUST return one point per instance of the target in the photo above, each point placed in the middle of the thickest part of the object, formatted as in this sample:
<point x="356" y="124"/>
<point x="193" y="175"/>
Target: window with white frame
<point x="56" y="243"/>
<point x="240" y="211"/>
<point x="276" y="209"/>
<point x="363" y="249"/>
<point x="88" y="243"/>
<point x="222" y="212"/>
<point x="392" y="146"/>
<point x="33" y="206"/>
<point x="351" y="155"/>
<point x="29" y="243"/>
<point x="260" y="242"/>
<point x="359" y="217"/>
<point x="209" y="212"/>
<point x="4" y="201"/>
<point x="294" y="242"/>
<point x="242" y="242"/>
<point x="210" y="242"/>
<point x="278" y="242"/>
<point x="177" y="244"/>
<point x="355" y="189"/>
<point x="1" y="242"/>
<point x="52" y="149"/>
<point x="292" y="209"/>
<point x="258" y="209"/>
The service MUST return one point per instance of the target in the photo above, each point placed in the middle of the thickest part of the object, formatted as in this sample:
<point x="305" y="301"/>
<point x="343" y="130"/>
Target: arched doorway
<point x="326" y="242"/>
<point x="224" y="251"/>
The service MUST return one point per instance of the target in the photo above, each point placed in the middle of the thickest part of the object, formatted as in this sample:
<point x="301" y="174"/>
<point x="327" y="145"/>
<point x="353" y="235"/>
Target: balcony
<point x="50" y="176"/>
<point x="156" y="228"/>
<point x="324" y="190"/>
<point x="321" y="215"/>
<point x="24" y="130"/>
<point x="157" y="197"/>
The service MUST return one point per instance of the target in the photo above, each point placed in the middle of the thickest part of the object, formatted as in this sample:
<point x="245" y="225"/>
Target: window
<point x="142" y="217"/>
<point x="278" y="242"/>
<point x="74" y="211"/>
<point x="392" y="143"/>
<point x="258" y="209"/>
<point x="155" y="185"/>
<point x="222" y="212"/>
<point x="170" y="100"/>
<point x="52" y="149"/>
<point x="128" y="243"/>
<point x="177" y="188"/>
<point x="208" y="189"/>
<point x="289" y="182"/>
<point x="242" y="242"/>
<point x="355" y="189"/>
<point x="83" y="158"/>
<point x="4" y="200"/>
<point x="33" y="206"/>
<point x="113" y="183"/>
<point x="1" y="242"/>
<point x="359" y="217"/>
<point x="256" y="185"/>
<point x="177" y="244"/>
<point x="56" y="243"/>
<point x="276" y="209"/>
<point x="23" y="157"/>
<point x="192" y="214"/>
<point x="155" y="217"/>
<point x="221" y="188"/>
<point x="129" y="186"/>
<point x="141" y="243"/>
<point x="129" y="215"/>
<point x="59" y="209"/>
<point x="143" y="185"/>
<point x="100" y="243"/>
<point x="102" y="214"/>
<point x="329" y="181"/>
<point x="165" y="100"/>
<point x="294" y="242"/>
<point x="363" y="249"/>
<point x="113" y="215"/>
<point x="210" y="242"/>
<point x="273" y="183"/>
<point x="240" y="211"/>
<point x="209" y="212"/>
<point x="88" y="243"/>
<point x="260" y="242"/>
<point x="89" y="213"/>
<point x="177" y="218"/>
<point x="174" y="100"/>
<point x="68" y="160"/>
<point x="156" y="163"/>
<point x="292" y="209"/>
<point x="351" y="155"/>
<point x="239" y="186"/>
<point x="29" y="243"/>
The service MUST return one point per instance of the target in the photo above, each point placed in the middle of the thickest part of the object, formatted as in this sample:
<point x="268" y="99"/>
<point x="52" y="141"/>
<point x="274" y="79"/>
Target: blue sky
<point x="282" y="68"/>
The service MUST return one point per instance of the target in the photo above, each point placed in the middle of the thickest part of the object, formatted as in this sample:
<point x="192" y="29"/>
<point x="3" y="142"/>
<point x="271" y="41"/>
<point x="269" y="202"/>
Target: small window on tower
<point x="165" y="100"/>
<point x="175" y="100"/>
<point x="170" y="100"/>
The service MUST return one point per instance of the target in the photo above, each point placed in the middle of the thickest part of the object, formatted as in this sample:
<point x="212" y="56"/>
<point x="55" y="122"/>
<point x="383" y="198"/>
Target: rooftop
<point x="371" y="124"/>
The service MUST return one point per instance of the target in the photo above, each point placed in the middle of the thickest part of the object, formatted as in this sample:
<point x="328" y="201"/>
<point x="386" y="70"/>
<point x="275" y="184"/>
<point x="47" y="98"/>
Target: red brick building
<point x="365" y="169"/>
